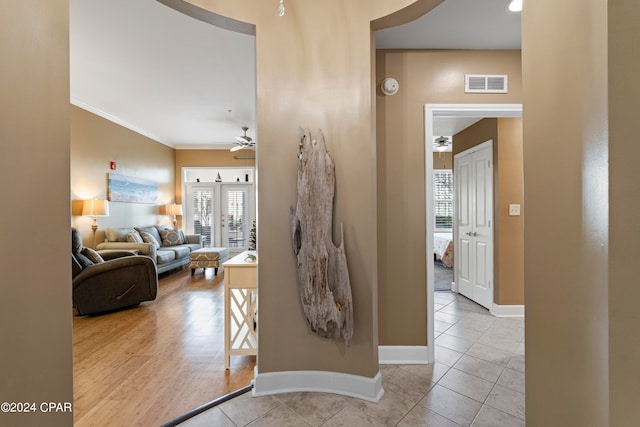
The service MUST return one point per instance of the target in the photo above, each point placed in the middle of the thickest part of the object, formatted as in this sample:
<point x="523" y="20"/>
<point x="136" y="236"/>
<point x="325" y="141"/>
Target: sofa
<point x="168" y="248"/>
<point x="101" y="285"/>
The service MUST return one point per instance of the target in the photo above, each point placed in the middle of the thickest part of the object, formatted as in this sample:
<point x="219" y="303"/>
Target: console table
<point x="240" y="306"/>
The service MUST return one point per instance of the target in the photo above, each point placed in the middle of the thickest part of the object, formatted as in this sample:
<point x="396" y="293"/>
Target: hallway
<point x="478" y="380"/>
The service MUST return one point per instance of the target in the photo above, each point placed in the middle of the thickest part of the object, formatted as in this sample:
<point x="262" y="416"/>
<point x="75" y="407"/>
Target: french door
<point x="235" y="218"/>
<point x="473" y="183"/>
<point x="222" y="213"/>
<point x="199" y="213"/>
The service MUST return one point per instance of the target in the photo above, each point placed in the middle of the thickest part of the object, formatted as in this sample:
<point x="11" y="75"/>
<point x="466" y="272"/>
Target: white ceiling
<point x="457" y="24"/>
<point x="190" y="84"/>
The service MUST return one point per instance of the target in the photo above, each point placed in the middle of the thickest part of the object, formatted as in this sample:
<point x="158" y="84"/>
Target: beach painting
<point x="133" y="190"/>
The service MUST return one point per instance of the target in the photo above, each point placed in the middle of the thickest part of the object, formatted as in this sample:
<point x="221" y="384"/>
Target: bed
<point x="443" y="248"/>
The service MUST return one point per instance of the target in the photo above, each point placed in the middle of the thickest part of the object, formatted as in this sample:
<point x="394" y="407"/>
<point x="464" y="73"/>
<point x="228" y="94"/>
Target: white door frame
<point x="447" y="110"/>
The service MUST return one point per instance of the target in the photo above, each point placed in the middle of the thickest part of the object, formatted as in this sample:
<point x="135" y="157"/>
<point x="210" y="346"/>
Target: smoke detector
<point x="389" y="86"/>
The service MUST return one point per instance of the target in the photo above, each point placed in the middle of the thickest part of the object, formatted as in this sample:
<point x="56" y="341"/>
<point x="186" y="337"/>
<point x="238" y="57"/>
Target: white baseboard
<point x="365" y="388"/>
<point x="507" y="310"/>
<point x="403" y="355"/>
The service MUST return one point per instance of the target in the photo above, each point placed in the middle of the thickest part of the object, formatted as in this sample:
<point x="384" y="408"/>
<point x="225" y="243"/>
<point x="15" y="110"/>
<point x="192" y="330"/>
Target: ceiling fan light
<point x="243" y="142"/>
<point x="441" y="148"/>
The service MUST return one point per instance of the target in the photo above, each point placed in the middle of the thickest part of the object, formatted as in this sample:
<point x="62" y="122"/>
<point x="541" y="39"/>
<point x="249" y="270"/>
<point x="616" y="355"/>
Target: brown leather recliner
<point x="101" y="286"/>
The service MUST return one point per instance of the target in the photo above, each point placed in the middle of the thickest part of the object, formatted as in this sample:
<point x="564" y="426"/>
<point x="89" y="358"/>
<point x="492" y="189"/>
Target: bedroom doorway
<point x="458" y="113"/>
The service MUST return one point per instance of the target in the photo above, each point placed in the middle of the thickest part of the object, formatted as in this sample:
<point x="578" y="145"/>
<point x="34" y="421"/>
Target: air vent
<point x="483" y="83"/>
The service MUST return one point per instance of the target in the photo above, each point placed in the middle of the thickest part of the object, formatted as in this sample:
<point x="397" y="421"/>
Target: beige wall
<point x="35" y="302"/>
<point x="624" y="221"/>
<point x="315" y="76"/>
<point x="509" y="229"/>
<point x="443" y="160"/>
<point x="425" y="77"/>
<point x="565" y="162"/>
<point x="475" y="134"/>
<point x="95" y="142"/>
<point x="506" y="134"/>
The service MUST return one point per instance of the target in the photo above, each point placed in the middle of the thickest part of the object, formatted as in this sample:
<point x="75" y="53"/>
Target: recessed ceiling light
<point x="515" y="6"/>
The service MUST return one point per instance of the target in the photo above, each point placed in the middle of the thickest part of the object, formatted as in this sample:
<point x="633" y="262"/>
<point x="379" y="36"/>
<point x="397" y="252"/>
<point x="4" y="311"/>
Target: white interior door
<point x="473" y="182"/>
<point x="464" y="224"/>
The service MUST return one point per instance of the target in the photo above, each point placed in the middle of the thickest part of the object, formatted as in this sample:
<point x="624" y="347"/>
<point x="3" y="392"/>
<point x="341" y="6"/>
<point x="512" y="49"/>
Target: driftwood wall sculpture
<point x="323" y="276"/>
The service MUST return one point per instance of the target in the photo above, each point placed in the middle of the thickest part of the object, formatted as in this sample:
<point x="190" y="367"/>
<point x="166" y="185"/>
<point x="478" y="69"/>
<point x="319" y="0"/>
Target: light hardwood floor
<point x="148" y="365"/>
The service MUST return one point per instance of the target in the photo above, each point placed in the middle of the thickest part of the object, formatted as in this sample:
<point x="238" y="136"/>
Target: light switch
<point x="514" y="210"/>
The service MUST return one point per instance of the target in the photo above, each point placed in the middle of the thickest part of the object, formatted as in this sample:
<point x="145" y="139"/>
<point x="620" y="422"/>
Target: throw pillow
<point x="153" y="232"/>
<point x="117" y="234"/>
<point x="182" y="236"/>
<point x="134" y="237"/>
<point x="170" y="237"/>
<point x="148" y="238"/>
<point x="92" y="255"/>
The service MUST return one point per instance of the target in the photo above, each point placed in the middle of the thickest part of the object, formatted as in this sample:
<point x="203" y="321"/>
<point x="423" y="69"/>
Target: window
<point x="443" y="199"/>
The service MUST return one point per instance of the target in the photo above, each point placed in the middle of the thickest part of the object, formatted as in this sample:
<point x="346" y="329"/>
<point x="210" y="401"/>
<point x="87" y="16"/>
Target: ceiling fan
<point x="244" y="142"/>
<point x="441" y="144"/>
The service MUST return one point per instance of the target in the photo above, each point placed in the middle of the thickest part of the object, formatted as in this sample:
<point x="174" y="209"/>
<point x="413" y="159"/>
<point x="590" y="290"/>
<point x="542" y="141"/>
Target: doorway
<point x="446" y="111"/>
<point x="443" y="244"/>
<point x="222" y="210"/>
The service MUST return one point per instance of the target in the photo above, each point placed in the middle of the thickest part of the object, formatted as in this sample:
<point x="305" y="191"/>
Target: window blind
<point x="443" y="199"/>
<point x="203" y="215"/>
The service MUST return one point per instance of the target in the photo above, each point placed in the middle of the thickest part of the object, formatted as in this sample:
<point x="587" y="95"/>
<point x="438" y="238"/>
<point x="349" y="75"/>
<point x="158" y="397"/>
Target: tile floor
<point x="477" y="380"/>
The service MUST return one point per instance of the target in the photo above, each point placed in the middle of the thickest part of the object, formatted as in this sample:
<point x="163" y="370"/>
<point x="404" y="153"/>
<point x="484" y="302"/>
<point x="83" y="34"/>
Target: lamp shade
<point x="95" y="208"/>
<point x="174" y="209"/>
